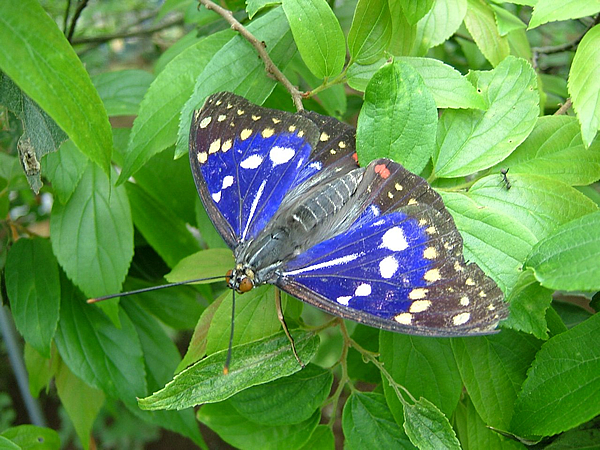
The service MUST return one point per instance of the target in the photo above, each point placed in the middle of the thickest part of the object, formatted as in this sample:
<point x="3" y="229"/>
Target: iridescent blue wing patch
<point x="244" y="161"/>
<point x="372" y="244"/>
<point x="399" y="266"/>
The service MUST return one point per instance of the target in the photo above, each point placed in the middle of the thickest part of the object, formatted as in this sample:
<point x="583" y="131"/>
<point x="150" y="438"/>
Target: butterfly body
<point x="373" y="244"/>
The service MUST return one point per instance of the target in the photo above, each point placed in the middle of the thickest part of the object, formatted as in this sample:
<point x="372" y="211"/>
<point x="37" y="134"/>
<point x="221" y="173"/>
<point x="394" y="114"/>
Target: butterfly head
<point x="240" y="279"/>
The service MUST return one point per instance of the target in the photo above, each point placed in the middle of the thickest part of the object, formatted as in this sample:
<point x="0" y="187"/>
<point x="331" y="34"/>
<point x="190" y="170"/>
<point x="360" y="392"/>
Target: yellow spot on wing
<point x="432" y="275"/>
<point x="245" y="134"/>
<point x="404" y="318"/>
<point x="469" y="282"/>
<point x="418" y="293"/>
<point x="398" y="186"/>
<point x="430" y="253"/>
<point x="324" y="137"/>
<point x="419" y="306"/>
<point x="292" y="128"/>
<point x="204" y="122"/>
<point x="226" y="145"/>
<point x="461" y="319"/>
<point x="214" y="146"/>
<point x="300" y="133"/>
<point x="202" y="157"/>
<point x="221" y="118"/>
<point x="342" y="144"/>
<point x="412" y="201"/>
<point x="255" y="117"/>
<point x="275" y="120"/>
<point x="240" y="112"/>
<point x="267" y="132"/>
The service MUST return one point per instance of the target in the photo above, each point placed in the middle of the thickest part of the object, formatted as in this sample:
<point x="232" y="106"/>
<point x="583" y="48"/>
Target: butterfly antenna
<point x="228" y="359"/>
<point x="284" y="325"/>
<point x="151" y="288"/>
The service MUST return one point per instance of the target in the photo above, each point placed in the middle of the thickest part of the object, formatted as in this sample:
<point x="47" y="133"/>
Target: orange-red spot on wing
<point x="382" y="170"/>
<point x="355" y="157"/>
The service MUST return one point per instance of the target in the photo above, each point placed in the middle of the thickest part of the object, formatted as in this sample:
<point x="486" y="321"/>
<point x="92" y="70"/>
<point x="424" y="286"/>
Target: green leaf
<point x="321" y="439"/>
<point x="318" y="35"/>
<point x="468" y="141"/>
<point x="473" y="432"/>
<point x="555" y="150"/>
<point x="539" y="203"/>
<point x="64" y="169"/>
<point x="398" y="118"/>
<point x="30" y="436"/>
<point x="415" y="10"/>
<point x="255" y="318"/>
<point x="122" y="91"/>
<point x="161" y="357"/>
<point x="370" y="32"/>
<point x="546" y="11"/>
<point x="254" y="363"/>
<point x="40" y="370"/>
<point x="41" y="135"/>
<point x="403" y="32"/>
<point x="6" y="444"/>
<point x="448" y="87"/>
<point x="528" y="305"/>
<point x="254" y="6"/>
<point x="82" y="403"/>
<point x="236" y="68"/>
<point x="203" y="264"/>
<point x="197" y="346"/>
<point x="441" y="22"/>
<point x="506" y="21"/>
<point x="562" y="389"/>
<point x="496" y="242"/>
<point x="243" y="434"/>
<point x="481" y="23"/>
<point x="92" y="234"/>
<point x="568" y="258"/>
<point x="359" y="75"/>
<point x="427" y="427"/>
<point x="103" y="356"/>
<point x="170" y="182"/>
<point x="40" y="60"/>
<point x="493" y="369"/>
<point x="163" y="230"/>
<point x="285" y="401"/>
<point x="424" y="366"/>
<point x="33" y="288"/>
<point x="584" y="83"/>
<point x="368" y="424"/>
<point x="155" y="127"/>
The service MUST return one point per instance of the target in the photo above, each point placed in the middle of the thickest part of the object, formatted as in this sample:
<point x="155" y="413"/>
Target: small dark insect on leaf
<point x="505" y="179"/>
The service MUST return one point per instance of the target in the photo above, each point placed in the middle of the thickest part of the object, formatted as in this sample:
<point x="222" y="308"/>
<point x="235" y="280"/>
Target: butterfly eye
<point x="228" y="276"/>
<point x="246" y="285"/>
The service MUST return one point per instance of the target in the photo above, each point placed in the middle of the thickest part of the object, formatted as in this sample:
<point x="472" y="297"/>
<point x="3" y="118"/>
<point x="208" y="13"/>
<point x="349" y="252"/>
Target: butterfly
<point x="372" y="244"/>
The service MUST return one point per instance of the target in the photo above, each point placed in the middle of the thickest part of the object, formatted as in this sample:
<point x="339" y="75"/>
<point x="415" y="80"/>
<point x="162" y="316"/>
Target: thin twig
<point x="270" y="67"/>
<point x="127" y="34"/>
<point x="564" y="108"/>
<point x="76" y="15"/>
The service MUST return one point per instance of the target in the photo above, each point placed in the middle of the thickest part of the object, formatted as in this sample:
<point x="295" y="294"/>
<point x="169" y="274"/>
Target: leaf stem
<point x="260" y="47"/>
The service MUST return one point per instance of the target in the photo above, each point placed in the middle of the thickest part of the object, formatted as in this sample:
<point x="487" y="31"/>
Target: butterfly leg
<point x="284" y="325"/>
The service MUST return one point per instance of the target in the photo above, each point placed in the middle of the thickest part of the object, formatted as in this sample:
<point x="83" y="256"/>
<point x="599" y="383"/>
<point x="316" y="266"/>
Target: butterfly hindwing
<point x="398" y="267"/>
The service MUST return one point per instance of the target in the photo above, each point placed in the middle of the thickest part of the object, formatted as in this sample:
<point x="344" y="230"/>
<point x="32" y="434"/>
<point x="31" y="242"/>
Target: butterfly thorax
<point x="301" y="222"/>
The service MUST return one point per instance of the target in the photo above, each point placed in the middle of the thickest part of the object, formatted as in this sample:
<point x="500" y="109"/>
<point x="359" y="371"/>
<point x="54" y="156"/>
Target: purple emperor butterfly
<point x="373" y="244"/>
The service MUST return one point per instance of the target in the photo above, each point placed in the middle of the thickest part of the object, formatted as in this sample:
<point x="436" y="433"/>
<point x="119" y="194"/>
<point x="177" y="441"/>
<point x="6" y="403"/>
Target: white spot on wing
<point x="461" y="319"/>
<point x="394" y="240"/>
<point x="227" y="181"/>
<point x="404" y="318"/>
<point x="363" y="290"/>
<point x="344" y="300"/>
<point x="281" y="155"/>
<point x="216" y="197"/>
<point x="259" y="194"/>
<point x="315" y="165"/>
<point x="251" y="162"/>
<point x="388" y="267"/>
<point x="334" y="262"/>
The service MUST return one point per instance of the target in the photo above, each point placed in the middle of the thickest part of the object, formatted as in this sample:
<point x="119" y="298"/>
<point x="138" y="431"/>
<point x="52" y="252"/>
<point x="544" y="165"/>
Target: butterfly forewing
<point x="245" y="161"/>
<point x="384" y="250"/>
